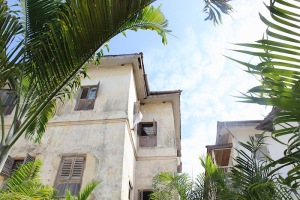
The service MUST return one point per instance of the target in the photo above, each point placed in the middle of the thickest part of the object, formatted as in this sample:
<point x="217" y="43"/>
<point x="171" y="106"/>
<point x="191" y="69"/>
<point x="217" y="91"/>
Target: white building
<point x="229" y="133"/>
<point x="94" y="136"/>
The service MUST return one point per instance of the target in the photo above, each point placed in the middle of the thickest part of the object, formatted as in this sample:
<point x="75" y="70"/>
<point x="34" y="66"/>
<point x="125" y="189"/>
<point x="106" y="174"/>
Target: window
<point x="144" y="194"/>
<point x="262" y="152"/>
<point x="70" y="175"/>
<point x="147" y="132"/>
<point x="8" y="99"/>
<point x="87" y="98"/>
<point x="12" y="164"/>
<point x="179" y="168"/>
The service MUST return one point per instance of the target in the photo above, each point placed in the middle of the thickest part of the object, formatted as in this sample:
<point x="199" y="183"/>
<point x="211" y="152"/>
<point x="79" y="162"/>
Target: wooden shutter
<point x="7" y="166"/>
<point x="84" y="103"/>
<point x="139" y="128"/>
<point x="154" y="127"/>
<point x="70" y="175"/>
<point x="84" y="93"/>
<point x="140" y="197"/>
<point x="143" y="141"/>
<point x="179" y="168"/>
<point x="28" y="158"/>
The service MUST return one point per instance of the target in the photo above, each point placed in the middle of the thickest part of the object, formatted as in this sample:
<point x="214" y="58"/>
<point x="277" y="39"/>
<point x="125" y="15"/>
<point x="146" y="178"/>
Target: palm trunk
<point x="4" y="152"/>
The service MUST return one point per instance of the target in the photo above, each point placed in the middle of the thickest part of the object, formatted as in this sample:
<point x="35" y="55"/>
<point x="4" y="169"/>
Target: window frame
<point x="87" y="103"/>
<point x="263" y="152"/>
<point x="147" y="140"/>
<point x="141" y="193"/>
<point x="5" y="95"/>
<point x="65" y="182"/>
<point x="11" y="165"/>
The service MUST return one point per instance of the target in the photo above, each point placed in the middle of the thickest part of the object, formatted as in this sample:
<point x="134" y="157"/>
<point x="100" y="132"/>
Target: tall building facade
<point x="114" y="130"/>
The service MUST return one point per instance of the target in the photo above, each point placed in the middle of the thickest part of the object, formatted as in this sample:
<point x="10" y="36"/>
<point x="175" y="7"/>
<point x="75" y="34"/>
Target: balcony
<point x="220" y="153"/>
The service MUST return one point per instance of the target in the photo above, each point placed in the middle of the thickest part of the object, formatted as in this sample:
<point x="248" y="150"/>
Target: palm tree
<point x="277" y="58"/>
<point x="25" y="183"/>
<point x="208" y="185"/>
<point x="249" y="179"/>
<point x="52" y="40"/>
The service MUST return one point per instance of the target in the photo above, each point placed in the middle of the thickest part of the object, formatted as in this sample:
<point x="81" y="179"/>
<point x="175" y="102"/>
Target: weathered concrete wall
<point x="106" y="137"/>
<point x="101" y="143"/>
<point x="162" y="113"/>
<point x="276" y="150"/>
<point x="113" y="93"/>
<point x="163" y="157"/>
<point x="98" y="134"/>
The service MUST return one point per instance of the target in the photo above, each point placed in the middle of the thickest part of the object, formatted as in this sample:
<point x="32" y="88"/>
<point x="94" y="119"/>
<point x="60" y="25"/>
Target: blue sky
<point x="193" y="61"/>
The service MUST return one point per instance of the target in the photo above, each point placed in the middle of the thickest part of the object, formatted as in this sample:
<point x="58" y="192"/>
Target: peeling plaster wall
<point x="99" y="134"/>
<point x="102" y="144"/>
<point x="163" y="157"/>
<point x="106" y="137"/>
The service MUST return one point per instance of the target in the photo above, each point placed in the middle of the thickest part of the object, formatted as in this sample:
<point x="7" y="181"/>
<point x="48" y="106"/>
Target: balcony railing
<point x="226" y="169"/>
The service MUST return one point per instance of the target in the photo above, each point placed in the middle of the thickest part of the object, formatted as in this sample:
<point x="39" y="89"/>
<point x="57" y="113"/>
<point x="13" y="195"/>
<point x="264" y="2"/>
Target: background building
<point x="230" y="133"/>
<point x="115" y="130"/>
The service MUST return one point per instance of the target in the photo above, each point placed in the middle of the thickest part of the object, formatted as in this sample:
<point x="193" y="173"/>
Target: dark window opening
<point x="262" y="153"/>
<point x="145" y="194"/>
<point x="8" y="100"/>
<point x="147" y="132"/>
<point x="87" y="98"/>
<point x="12" y="164"/>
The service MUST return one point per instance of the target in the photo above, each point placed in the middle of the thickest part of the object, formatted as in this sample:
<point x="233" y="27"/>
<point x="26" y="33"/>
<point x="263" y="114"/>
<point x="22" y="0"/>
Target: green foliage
<point x="277" y="59"/>
<point x="215" y="9"/>
<point x="57" y="39"/>
<point x="84" y="193"/>
<point x="168" y="185"/>
<point x="249" y="179"/>
<point x="25" y="183"/>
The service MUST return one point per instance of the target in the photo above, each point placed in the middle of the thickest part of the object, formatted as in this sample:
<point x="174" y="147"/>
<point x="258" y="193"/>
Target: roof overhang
<point x="221" y="153"/>
<point x="144" y="94"/>
<point x="223" y="127"/>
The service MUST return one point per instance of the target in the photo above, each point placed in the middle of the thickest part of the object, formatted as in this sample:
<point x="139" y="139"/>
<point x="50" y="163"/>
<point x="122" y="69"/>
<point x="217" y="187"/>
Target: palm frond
<point x="87" y="190"/>
<point x="215" y="9"/>
<point x="59" y="38"/>
<point x="251" y="178"/>
<point x="278" y="56"/>
<point x="10" y="28"/>
<point x="24" y="183"/>
<point x="168" y="185"/>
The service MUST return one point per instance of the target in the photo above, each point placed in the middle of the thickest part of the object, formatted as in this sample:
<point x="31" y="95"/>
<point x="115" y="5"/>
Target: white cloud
<point x="194" y="63"/>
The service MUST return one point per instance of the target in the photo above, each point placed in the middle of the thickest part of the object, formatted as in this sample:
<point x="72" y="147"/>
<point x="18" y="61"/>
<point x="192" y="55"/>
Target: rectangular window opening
<point x="147" y="132"/>
<point x="8" y="99"/>
<point x="87" y="98"/>
<point x="145" y="194"/>
<point x="70" y="174"/>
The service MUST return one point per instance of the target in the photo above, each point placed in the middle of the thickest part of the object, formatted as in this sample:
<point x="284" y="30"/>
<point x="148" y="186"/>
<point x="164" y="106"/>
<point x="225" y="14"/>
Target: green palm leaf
<point x="278" y="56"/>
<point x="215" y="8"/>
<point x="24" y="183"/>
